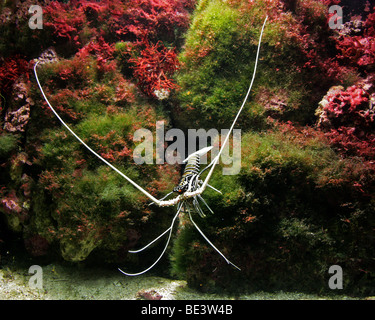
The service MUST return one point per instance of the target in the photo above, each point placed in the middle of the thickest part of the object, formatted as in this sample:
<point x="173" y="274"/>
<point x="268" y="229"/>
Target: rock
<point x="47" y="56"/>
<point x="78" y="250"/>
<point x="18" y="114"/>
<point x="352" y="28"/>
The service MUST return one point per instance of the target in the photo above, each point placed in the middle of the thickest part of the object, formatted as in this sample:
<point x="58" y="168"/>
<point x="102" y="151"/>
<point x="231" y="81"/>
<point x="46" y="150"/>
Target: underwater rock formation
<point x="47" y="56"/>
<point x="58" y="199"/>
<point x="297" y="62"/>
<point x="302" y="191"/>
<point x="16" y="120"/>
<point x="348" y="118"/>
<point x="304" y="199"/>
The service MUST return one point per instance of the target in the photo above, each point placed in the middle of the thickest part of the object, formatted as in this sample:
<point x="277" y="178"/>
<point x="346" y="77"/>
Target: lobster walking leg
<point x="170" y="229"/>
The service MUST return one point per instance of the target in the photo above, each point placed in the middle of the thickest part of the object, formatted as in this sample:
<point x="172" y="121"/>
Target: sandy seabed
<point x="69" y="283"/>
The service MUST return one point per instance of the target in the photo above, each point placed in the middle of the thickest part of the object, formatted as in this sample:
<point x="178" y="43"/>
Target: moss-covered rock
<point x="219" y="55"/>
<point x="300" y="203"/>
<point x="78" y="204"/>
<point x="283" y="220"/>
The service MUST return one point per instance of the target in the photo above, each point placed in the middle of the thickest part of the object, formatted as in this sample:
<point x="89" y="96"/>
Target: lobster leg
<point x="211" y="244"/>
<point x="201" y="198"/>
<point x="165" y="248"/>
<point x="208" y="185"/>
<point x="198" y="208"/>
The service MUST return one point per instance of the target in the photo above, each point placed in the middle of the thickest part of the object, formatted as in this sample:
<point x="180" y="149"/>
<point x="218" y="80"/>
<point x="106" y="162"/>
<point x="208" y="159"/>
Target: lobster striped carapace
<point x="191" y="171"/>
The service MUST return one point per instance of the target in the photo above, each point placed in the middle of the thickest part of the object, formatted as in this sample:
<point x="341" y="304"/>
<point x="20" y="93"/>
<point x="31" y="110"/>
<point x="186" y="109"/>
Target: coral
<point x="348" y="118"/>
<point x="152" y="19"/>
<point x="275" y="104"/>
<point x="154" y="68"/>
<point x="75" y="21"/>
<point x="65" y="19"/>
<point x="101" y="50"/>
<point x="74" y="204"/>
<point x="74" y="73"/>
<point x="352" y="28"/>
<point x="357" y="50"/>
<point x="76" y="250"/>
<point x="124" y="93"/>
<point x="10" y="70"/>
<point x="356" y="44"/>
<point x="370" y="24"/>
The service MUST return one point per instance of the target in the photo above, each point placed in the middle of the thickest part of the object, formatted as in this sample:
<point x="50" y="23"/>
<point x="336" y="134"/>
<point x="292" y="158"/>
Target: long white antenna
<point x="204" y="185"/>
<point x="170" y="229"/>
<point x="212" y="164"/>
<point x="210" y="243"/>
<point x="153" y="199"/>
<point x="184" y="196"/>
